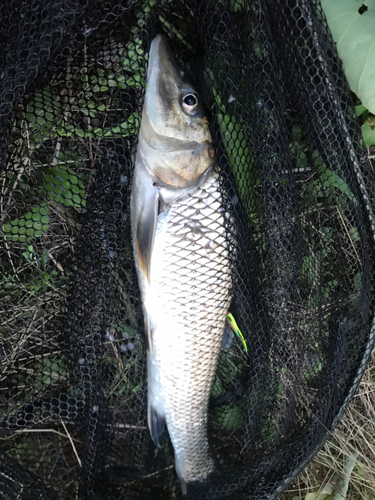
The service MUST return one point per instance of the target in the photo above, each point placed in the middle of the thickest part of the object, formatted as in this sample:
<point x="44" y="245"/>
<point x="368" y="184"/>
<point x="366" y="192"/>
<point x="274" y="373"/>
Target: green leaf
<point x="353" y="231"/>
<point x="311" y="496"/>
<point x="137" y="387"/>
<point x="62" y="187"/>
<point x="36" y="221"/>
<point x="332" y="180"/>
<point x="318" y="496"/>
<point x="80" y="132"/>
<point x="359" y="110"/>
<point x="368" y="132"/>
<point x="229" y="417"/>
<point x="354" y="34"/>
<point x="217" y="388"/>
<point x="45" y="258"/>
<point x="357" y="282"/>
<point x="238" y="153"/>
<point x="30" y="254"/>
<point x="239" y="6"/>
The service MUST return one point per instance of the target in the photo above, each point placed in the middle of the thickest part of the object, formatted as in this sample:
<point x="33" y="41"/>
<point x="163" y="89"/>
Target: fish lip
<point x="164" y="82"/>
<point x="161" y="58"/>
<point x="159" y="40"/>
<point x="165" y="71"/>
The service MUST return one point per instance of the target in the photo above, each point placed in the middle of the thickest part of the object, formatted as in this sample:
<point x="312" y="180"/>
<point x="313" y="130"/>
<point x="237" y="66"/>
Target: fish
<point x="182" y="261"/>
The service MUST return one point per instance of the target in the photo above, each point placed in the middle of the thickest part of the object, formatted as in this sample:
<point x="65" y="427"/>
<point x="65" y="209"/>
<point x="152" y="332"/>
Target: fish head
<point x="174" y="135"/>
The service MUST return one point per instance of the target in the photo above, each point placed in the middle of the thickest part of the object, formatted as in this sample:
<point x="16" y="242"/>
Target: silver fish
<point x="181" y="258"/>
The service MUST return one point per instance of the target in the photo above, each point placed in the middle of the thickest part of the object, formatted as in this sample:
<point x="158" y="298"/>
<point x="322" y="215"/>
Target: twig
<point x="71" y="442"/>
<point x="23" y="431"/>
<point x="158" y="472"/>
<point x="57" y="264"/>
<point x="127" y="426"/>
<point x="347" y="232"/>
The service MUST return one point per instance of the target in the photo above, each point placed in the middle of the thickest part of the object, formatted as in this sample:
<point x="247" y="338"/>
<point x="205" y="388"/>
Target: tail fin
<point x="197" y="472"/>
<point x="204" y="488"/>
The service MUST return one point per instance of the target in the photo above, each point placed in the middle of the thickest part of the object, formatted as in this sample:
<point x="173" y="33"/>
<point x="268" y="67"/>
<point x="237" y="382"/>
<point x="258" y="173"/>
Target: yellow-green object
<point x="237" y="331"/>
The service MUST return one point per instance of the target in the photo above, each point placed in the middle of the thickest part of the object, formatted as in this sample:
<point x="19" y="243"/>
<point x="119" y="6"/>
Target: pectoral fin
<point x="144" y="240"/>
<point x="146" y="228"/>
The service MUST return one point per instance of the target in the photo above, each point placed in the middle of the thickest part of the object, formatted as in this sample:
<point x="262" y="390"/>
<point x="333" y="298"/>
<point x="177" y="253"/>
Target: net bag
<point x="298" y="193"/>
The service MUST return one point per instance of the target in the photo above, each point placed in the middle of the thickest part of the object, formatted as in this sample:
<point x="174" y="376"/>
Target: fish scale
<point x="187" y="301"/>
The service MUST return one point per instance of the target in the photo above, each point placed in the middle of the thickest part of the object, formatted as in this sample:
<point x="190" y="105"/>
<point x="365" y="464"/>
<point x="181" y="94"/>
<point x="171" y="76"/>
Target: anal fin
<point x="156" y="424"/>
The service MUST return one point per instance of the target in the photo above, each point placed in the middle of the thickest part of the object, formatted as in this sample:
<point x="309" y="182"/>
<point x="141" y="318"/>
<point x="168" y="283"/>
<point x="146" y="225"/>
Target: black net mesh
<point x="294" y="179"/>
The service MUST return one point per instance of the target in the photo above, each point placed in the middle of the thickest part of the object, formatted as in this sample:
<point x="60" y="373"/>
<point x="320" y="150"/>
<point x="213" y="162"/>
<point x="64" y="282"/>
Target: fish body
<point x="181" y="258"/>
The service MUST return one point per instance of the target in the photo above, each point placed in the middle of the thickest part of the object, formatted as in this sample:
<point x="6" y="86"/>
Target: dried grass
<point x="356" y="432"/>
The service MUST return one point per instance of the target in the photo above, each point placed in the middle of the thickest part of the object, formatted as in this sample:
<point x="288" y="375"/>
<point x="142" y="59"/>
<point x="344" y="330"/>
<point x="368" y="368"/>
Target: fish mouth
<point x="162" y="61"/>
<point x="164" y="84"/>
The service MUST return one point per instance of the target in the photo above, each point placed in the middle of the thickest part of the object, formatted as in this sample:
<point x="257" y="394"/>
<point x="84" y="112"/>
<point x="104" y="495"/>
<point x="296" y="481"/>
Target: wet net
<point x="299" y="191"/>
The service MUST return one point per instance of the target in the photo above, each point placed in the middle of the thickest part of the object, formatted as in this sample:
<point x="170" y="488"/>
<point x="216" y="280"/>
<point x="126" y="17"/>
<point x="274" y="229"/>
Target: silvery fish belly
<point x="181" y="258"/>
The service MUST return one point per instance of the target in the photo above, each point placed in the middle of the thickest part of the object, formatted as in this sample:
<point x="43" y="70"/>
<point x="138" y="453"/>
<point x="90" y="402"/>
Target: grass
<point x="354" y="434"/>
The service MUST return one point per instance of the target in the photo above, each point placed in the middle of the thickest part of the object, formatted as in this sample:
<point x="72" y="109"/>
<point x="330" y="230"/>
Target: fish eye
<point x="190" y="102"/>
